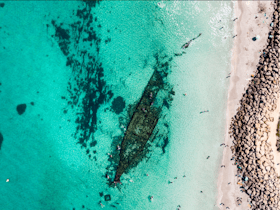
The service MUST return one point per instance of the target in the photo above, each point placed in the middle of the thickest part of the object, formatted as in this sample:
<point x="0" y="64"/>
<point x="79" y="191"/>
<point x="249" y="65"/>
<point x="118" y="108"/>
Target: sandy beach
<point x="254" y="18"/>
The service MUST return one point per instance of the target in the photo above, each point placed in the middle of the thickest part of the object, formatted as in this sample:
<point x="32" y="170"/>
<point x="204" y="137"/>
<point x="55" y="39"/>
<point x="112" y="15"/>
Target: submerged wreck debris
<point x="141" y="126"/>
<point x="252" y="153"/>
<point x="186" y="45"/>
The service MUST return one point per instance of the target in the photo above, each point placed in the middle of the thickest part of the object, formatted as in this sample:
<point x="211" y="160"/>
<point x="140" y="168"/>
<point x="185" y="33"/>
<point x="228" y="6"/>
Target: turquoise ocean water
<point x="79" y="68"/>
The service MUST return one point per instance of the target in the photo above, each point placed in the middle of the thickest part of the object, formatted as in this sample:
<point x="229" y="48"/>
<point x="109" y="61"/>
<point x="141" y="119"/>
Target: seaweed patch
<point x="80" y="43"/>
<point x="118" y="105"/>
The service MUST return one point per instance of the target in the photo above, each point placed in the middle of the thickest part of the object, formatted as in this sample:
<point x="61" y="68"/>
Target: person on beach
<point x="234" y="36"/>
<point x="229" y="182"/>
<point x="201" y="191"/>
<point x="184" y="176"/>
<point x="222" y="144"/>
<point x="208" y="157"/>
<point x="221" y="28"/>
<point x="170" y="182"/>
<point x="235" y="19"/>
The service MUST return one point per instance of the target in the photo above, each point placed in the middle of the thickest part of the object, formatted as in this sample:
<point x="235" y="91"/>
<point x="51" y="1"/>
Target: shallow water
<point x="83" y="66"/>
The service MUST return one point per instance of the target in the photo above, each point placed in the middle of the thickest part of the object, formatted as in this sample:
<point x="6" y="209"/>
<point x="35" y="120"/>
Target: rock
<point x="21" y="108"/>
<point x="250" y="129"/>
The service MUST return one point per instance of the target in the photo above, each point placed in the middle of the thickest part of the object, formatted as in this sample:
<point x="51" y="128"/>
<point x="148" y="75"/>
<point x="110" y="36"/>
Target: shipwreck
<point x="141" y="126"/>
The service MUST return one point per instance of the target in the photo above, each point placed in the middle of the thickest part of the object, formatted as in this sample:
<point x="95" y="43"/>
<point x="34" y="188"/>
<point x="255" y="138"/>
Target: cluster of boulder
<point x="250" y="128"/>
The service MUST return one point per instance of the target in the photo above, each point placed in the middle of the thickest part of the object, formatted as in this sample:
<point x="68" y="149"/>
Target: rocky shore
<point x="250" y="128"/>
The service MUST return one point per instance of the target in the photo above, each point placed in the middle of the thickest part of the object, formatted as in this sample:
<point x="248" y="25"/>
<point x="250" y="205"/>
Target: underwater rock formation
<point x="21" y="108"/>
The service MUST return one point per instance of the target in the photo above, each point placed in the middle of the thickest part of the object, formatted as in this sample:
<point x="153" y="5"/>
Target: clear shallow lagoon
<point x="75" y="61"/>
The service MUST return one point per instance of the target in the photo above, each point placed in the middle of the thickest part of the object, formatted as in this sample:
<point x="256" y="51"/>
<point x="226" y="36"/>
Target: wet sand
<point x="245" y="58"/>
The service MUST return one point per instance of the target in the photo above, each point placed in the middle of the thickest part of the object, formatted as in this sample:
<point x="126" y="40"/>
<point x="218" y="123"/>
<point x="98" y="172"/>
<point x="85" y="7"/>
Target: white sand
<point x="244" y="61"/>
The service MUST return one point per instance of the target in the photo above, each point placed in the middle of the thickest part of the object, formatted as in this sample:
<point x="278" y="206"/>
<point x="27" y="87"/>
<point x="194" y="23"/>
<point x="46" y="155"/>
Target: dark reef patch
<point x="108" y="40"/>
<point x="80" y="42"/>
<point x="1" y="140"/>
<point x="21" y="108"/>
<point x="165" y="104"/>
<point x="93" y="143"/>
<point x="118" y="105"/>
<point x="2" y="5"/>
<point x="63" y="37"/>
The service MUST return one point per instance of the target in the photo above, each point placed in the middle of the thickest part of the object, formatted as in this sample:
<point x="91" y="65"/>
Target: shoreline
<point x="245" y="58"/>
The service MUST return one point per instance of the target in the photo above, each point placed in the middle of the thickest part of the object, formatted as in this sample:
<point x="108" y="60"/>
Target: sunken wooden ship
<point x="140" y="127"/>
